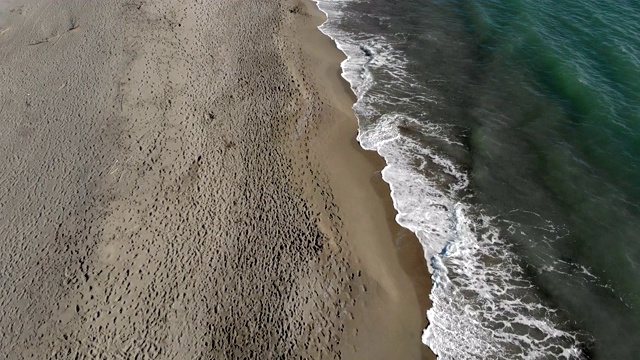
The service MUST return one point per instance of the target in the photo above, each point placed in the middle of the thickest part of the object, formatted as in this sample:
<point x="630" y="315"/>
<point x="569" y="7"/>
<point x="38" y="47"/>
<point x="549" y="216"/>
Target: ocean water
<point x="511" y="133"/>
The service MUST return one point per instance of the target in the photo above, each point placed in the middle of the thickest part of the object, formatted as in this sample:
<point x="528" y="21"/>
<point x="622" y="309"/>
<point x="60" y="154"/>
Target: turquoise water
<point x="511" y="132"/>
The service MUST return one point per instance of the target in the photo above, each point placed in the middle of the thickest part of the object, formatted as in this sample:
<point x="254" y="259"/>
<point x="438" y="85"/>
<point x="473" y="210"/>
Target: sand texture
<point x="181" y="181"/>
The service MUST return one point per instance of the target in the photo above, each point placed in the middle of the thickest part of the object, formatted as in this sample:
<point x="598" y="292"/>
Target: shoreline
<point x="391" y="254"/>
<point x="194" y="190"/>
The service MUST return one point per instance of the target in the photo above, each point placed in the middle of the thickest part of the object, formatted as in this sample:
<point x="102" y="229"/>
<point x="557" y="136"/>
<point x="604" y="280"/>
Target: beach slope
<point x="182" y="181"/>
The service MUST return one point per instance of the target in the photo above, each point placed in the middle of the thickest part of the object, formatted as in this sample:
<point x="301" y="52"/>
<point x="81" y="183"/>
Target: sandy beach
<point x="182" y="180"/>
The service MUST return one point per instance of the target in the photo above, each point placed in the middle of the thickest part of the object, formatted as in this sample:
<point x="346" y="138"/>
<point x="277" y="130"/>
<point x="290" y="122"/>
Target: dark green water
<point x="511" y="130"/>
<point x="573" y="117"/>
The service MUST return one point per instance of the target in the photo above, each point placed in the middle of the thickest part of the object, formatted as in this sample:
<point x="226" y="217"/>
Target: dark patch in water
<point x="366" y="51"/>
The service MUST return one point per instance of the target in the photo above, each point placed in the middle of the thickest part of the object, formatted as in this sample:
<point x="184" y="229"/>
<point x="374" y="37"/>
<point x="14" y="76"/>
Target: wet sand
<point x="185" y="183"/>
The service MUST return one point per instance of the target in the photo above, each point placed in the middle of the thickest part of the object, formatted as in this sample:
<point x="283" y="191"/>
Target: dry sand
<point x="181" y="180"/>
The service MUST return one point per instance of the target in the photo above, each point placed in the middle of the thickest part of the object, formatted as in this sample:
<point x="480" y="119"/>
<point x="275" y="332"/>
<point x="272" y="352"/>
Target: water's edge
<point x="456" y="238"/>
<point x="355" y="91"/>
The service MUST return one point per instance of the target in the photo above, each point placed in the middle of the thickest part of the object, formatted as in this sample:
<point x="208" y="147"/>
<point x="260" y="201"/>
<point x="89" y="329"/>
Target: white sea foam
<point x="483" y="306"/>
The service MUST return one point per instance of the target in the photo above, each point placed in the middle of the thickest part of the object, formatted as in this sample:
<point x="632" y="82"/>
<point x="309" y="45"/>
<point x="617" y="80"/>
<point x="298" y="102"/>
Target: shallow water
<point x="511" y="130"/>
